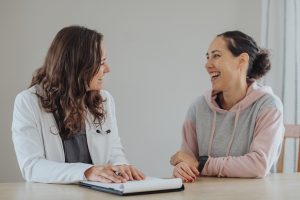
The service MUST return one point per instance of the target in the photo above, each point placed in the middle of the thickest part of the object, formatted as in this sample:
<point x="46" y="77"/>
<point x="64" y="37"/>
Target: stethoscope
<point x="54" y="130"/>
<point x="101" y="131"/>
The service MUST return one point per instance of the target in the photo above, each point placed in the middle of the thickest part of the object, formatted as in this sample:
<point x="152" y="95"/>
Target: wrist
<point x="201" y="162"/>
<point x="87" y="173"/>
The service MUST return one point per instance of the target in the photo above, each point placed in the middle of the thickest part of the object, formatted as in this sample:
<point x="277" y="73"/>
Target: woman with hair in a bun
<point x="236" y="128"/>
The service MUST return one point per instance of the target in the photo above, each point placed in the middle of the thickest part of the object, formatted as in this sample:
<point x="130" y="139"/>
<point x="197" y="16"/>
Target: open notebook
<point x="148" y="186"/>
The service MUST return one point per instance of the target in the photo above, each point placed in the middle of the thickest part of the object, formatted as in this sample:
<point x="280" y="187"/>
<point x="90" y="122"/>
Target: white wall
<point x="156" y="50"/>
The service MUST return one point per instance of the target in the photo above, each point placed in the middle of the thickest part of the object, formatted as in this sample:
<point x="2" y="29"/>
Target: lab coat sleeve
<point x="29" y="146"/>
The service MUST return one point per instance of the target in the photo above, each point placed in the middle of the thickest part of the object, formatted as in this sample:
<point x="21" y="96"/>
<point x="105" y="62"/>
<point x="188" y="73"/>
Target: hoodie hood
<point x="254" y="92"/>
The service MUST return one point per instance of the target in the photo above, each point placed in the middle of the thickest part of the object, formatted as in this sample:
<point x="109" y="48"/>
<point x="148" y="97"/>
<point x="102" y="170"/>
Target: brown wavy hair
<point x="73" y="59"/>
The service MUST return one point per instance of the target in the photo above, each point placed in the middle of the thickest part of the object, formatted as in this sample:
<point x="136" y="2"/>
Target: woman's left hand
<point x="181" y="156"/>
<point x="129" y="172"/>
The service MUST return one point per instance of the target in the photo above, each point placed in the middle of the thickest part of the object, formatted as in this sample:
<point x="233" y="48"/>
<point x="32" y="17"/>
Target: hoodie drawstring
<point x="212" y="133"/>
<point x="213" y="128"/>
<point x="233" y="132"/>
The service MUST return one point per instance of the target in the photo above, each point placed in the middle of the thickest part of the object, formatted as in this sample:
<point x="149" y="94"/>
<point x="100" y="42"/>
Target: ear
<point x="243" y="61"/>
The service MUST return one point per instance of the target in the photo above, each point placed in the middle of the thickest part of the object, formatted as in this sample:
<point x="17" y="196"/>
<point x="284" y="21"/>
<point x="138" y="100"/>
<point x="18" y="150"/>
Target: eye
<point x="216" y="56"/>
<point x="99" y="67"/>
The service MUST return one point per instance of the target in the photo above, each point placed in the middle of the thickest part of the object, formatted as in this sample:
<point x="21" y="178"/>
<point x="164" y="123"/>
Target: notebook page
<point x="152" y="184"/>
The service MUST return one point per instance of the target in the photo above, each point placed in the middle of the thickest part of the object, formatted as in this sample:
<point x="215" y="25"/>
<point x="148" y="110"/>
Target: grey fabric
<point x="76" y="149"/>
<point x="201" y="115"/>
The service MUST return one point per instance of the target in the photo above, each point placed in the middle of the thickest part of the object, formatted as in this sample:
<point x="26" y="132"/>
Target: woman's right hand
<point x="104" y="173"/>
<point x="186" y="172"/>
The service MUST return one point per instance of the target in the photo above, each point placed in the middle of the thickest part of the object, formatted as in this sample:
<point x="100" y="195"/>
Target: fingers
<point x="184" y="176"/>
<point x="195" y="170"/>
<point x="185" y="168"/>
<point x="137" y="174"/>
<point x="103" y="179"/>
<point x="183" y="171"/>
<point x="131" y="173"/>
<point x="113" y="174"/>
<point x="123" y="173"/>
<point x="128" y="172"/>
<point x="120" y="173"/>
<point x="110" y="175"/>
<point x="113" y="177"/>
<point x="104" y="174"/>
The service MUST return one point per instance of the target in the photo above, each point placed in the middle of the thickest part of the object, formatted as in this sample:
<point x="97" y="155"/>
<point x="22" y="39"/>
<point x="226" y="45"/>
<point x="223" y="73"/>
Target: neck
<point x="231" y="97"/>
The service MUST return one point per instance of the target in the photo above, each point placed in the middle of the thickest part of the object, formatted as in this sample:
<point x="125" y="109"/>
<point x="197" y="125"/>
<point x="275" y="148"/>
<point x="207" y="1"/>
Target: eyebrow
<point x="103" y="59"/>
<point x="213" y="51"/>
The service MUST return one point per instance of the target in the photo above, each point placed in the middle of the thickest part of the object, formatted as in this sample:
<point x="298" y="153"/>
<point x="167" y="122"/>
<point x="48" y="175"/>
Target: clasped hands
<point x="185" y="166"/>
<point x="113" y="173"/>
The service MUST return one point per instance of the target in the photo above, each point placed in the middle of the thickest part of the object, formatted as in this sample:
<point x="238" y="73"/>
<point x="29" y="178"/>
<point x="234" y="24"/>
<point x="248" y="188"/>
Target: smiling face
<point x="97" y="81"/>
<point x="223" y="67"/>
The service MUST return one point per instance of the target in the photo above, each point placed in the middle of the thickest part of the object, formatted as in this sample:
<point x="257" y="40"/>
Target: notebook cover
<point x="117" y="192"/>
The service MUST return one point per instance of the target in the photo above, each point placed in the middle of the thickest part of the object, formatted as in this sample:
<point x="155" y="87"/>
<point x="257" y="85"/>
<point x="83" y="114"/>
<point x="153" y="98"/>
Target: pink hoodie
<point x="244" y="141"/>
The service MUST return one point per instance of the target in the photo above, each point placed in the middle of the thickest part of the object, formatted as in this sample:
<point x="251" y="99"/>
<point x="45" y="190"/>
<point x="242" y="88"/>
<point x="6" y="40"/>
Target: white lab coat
<point x="39" y="148"/>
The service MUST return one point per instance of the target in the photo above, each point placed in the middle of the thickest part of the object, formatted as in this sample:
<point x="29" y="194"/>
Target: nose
<point x="106" y="68"/>
<point x="208" y="64"/>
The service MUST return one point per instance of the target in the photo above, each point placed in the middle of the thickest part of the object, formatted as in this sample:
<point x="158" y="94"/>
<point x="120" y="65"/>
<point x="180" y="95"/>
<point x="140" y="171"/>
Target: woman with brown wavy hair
<point x="64" y="126"/>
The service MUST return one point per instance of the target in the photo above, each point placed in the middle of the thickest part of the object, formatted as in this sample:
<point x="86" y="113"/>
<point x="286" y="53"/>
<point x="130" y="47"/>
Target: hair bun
<point x="261" y="64"/>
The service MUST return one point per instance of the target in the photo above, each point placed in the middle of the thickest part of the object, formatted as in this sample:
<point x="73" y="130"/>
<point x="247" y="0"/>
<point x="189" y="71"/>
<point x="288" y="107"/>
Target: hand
<point x="129" y="172"/>
<point x="104" y="173"/>
<point x="181" y="156"/>
<point x="185" y="172"/>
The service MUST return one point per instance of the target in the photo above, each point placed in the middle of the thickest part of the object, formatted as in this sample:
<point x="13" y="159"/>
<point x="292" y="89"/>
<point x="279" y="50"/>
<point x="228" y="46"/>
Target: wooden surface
<point x="276" y="186"/>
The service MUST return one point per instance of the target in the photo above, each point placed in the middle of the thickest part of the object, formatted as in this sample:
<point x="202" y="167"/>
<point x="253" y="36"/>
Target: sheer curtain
<point x="281" y="35"/>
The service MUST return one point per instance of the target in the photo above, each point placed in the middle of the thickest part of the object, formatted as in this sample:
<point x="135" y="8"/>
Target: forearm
<point x="249" y="166"/>
<point x="46" y="171"/>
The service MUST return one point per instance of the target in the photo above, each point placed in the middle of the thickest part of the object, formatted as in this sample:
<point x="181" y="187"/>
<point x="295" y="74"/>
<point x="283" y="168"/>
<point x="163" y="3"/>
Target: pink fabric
<point x="257" y="163"/>
<point x="189" y="139"/>
<point x="264" y="148"/>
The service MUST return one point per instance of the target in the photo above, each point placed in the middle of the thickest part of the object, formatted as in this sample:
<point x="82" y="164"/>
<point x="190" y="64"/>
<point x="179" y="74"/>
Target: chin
<point x="96" y="89"/>
<point x="216" y="89"/>
<point x="99" y="87"/>
<point x="213" y="86"/>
